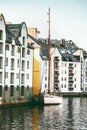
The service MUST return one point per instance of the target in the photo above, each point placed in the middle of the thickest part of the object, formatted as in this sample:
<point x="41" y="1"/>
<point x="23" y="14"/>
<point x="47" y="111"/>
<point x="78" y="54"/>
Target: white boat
<point x="50" y="99"/>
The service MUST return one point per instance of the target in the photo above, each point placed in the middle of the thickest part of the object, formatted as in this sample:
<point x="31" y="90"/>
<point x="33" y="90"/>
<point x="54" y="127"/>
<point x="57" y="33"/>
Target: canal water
<point x="71" y="115"/>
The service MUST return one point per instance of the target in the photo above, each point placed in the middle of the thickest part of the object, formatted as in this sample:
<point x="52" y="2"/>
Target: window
<point x="62" y="86"/>
<point x="45" y="85"/>
<point x="7" y="47"/>
<point x="12" y="78"/>
<point x="62" y="79"/>
<point x="17" y="88"/>
<point x="23" y="65"/>
<point x="22" y="90"/>
<point x="13" y="50"/>
<point x="18" y="49"/>
<point x="45" y="78"/>
<point x="0" y="90"/>
<point x="65" y="64"/>
<point x="6" y="74"/>
<point x="22" y="79"/>
<point x="45" y="63"/>
<point x="1" y="34"/>
<point x="17" y="62"/>
<point x="75" y="79"/>
<point x="65" y="78"/>
<point x="1" y="48"/>
<point x="27" y="76"/>
<point x="11" y="90"/>
<point x="6" y="61"/>
<point x="45" y="71"/>
<point x="75" y="85"/>
<point x="0" y="77"/>
<point x="23" y="40"/>
<point x="17" y="75"/>
<point x="65" y="85"/>
<point x="23" y="52"/>
<point x="28" y="51"/>
<point x="6" y="88"/>
<point x="75" y="65"/>
<point x="27" y="87"/>
<point x="1" y="63"/>
<point x="12" y="64"/>
<point x="27" y="64"/>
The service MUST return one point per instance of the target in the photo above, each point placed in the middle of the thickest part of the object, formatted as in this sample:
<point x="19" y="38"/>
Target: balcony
<point x="70" y="89"/>
<point x="71" y="68"/>
<point x="71" y="74"/>
<point x="71" y="82"/>
<point x="56" y="80"/>
<point x="56" y="59"/>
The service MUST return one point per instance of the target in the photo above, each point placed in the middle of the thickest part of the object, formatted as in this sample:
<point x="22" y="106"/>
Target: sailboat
<point x="50" y="99"/>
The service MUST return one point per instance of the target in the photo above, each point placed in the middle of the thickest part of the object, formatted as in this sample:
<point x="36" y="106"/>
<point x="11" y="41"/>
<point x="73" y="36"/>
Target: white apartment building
<point x="16" y="63"/>
<point x="65" y="68"/>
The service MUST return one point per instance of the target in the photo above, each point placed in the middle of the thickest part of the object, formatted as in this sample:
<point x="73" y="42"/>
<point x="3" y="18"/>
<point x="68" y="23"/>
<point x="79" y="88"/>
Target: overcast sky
<point x="68" y="17"/>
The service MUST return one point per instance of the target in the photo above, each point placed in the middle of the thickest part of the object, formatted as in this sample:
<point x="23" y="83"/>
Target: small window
<point x="6" y="61"/>
<point x="65" y="85"/>
<point x="27" y="76"/>
<point x="75" y="85"/>
<point x="22" y="90"/>
<point x="18" y="49"/>
<point x="27" y="87"/>
<point x="1" y="34"/>
<point x="1" y="48"/>
<point x="6" y="74"/>
<point x="45" y="85"/>
<point x="45" y="63"/>
<point x="62" y="86"/>
<point x="6" y="88"/>
<point x="7" y="47"/>
<point x="23" y="52"/>
<point x="27" y="64"/>
<point x="75" y="65"/>
<point x="28" y="52"/>
<point x="17" y="62"/>
<point x="17" y="75"/>
<point x="45" y="78"/>
<point x="11" y="90"/>
<point x="0" y="90"/>
<point x="23" y="40"/>
<point x="17" y="88"/>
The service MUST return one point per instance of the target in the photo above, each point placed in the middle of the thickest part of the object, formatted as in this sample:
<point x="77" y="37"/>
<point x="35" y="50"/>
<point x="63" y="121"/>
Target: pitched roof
<point x="66" y="50"/>
<point x="15" y="29"/>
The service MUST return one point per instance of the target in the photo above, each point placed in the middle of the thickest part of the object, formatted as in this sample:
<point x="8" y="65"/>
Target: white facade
<point x="65" y="76"/>
<point x="16" y="61"/>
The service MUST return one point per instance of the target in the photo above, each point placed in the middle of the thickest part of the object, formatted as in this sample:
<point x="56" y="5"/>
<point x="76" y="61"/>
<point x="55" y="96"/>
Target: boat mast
<point x="49" y="51"/>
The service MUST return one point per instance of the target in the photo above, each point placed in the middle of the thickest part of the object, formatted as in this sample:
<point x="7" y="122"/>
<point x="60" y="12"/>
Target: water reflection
<point x="71" y="115"/>
<point x="35" y="118"/>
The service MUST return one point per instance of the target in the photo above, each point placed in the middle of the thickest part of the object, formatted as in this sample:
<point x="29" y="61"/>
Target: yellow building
<point x="36" y="71"/>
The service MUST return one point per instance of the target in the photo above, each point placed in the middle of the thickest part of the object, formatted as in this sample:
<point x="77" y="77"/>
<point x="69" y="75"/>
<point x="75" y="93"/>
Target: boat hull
<point x="52" y="100"/>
